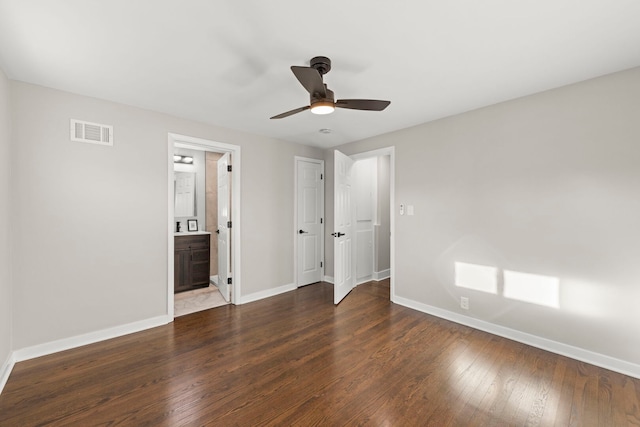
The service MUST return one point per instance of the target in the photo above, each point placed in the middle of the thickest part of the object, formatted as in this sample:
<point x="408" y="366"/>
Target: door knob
<point x="302" y="232"/>
<point x="338" y="234"/>
<point x="218" y="231"/>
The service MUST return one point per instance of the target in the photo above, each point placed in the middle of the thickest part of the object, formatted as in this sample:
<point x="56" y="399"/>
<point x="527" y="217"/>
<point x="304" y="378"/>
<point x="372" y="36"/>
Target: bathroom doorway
<point x="199" y="217"/>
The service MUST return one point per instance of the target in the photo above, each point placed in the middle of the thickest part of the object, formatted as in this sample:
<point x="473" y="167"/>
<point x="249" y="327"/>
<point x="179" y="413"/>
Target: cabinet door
<point x="182" y="270"/>
<point x="200" y="267"/>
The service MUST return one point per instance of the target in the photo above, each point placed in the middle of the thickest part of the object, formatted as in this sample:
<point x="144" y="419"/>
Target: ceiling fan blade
<point x="311" y="79"/>
<point x="290" y="113"/>
<point x="363" y="104"/>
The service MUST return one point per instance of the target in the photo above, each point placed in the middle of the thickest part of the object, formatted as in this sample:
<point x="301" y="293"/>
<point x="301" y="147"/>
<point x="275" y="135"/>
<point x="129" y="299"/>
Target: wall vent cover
<point x="93" y="133"/>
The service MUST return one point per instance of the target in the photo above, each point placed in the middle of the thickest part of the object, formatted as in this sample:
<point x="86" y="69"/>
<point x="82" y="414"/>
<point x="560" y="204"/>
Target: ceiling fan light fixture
<point x="322" y="107"/>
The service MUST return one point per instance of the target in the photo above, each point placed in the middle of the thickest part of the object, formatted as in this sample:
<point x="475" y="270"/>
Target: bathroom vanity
<point x="191" y="260"/>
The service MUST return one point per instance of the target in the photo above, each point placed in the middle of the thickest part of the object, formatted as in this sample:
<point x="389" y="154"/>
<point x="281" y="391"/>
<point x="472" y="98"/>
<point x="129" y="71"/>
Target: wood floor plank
<point x="297" y="359"/>
<point x="480" y="385"/>
<point x="585" y="397"/>
<point x="629" y="406"/>
<point x="555" y="412"/>
<point x="539" y="388"/>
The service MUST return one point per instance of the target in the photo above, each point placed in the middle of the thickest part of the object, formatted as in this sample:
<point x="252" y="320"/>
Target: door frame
<point x="296" y="160"/>
<point x="391" y="152"/>
<point x="184" y="141"/>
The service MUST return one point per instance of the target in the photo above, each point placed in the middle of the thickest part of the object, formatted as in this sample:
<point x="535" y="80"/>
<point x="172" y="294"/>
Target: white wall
<point x="90" y="246"/>
<point x="547" y="185"/>
<point x="6" y="346"/>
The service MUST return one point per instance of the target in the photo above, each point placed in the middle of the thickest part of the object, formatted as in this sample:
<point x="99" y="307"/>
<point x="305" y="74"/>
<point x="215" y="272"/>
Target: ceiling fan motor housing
<point x="321" y="63"/>
<point x="316" y="97"/>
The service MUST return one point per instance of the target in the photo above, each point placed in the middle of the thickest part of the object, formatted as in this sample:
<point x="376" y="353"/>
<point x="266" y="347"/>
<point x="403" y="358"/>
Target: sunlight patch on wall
<point x="477" y="277"/>
<point x="525" y="287"/>
<point x="533" y="288"/>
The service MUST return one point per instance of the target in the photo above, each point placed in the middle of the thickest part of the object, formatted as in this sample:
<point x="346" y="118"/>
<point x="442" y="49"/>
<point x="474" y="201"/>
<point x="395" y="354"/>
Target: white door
<point x="344" y="248"/>
<point x="224" y="218"/>
<point x="310" y="208"/>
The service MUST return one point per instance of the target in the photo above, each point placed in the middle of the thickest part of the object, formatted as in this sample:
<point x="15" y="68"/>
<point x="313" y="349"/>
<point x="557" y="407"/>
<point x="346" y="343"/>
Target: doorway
<point x="372" y="225"/>
<point x="232" y="153"/>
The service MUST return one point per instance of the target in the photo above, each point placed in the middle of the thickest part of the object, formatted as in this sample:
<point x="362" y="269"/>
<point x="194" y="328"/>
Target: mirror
<point x="185" y="194"/>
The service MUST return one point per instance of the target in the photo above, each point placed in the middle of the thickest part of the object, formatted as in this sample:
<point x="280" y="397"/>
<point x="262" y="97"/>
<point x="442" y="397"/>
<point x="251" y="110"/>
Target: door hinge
<point x="229" y="280"/>
<point x="320" y="264"/>
<point x="320" y="176"/>
<point x="320" y="220"/>
<point x="229" y="168"/>
<point x="228" y="224"/>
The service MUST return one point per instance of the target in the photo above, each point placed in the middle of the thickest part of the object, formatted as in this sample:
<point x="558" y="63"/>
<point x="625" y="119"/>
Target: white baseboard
<point x="89" y="338"/>
<point x="381" y="275"/>
<point x="268" y="293"/>
<point x="364" y="280"/>
<point x="601" y="360"/>
<point x="214" y="279"/>
<point x="328" y="279"/>
<point x="376" y="277"/>
<point x="6" y="369"/>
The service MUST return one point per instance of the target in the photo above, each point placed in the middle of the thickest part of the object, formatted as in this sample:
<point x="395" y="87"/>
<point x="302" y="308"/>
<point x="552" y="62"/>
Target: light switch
<point x="410" y="210"/>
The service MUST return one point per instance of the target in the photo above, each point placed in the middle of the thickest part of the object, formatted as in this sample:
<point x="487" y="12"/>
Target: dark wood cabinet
<point x="191" y="262"/>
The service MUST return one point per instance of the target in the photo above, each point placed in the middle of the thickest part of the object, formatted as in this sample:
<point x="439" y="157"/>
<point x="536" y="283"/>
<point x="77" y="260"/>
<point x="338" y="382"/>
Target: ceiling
<point x="227" y="62"/>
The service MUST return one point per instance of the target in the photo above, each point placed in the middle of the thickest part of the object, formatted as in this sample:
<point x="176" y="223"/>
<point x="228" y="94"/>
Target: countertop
<point x="190" y="233"/>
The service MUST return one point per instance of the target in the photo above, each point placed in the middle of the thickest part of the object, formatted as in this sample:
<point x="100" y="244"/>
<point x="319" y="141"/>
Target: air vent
<point x="93" y="133"/>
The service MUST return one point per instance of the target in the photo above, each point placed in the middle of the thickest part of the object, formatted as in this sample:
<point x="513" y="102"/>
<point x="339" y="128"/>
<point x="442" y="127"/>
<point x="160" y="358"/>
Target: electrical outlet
<point x="464" y="303"/>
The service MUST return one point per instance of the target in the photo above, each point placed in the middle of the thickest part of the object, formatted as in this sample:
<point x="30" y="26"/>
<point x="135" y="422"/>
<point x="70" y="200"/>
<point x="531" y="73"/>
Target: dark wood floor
<point x="296" y="359"/>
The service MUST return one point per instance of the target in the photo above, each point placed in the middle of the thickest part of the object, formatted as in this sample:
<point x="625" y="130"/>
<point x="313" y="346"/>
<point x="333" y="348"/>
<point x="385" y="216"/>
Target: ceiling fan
<point x="322" y="100"/>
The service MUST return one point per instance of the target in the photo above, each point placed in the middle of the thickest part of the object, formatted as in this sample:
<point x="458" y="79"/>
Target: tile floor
<point x="197" y="300"/>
